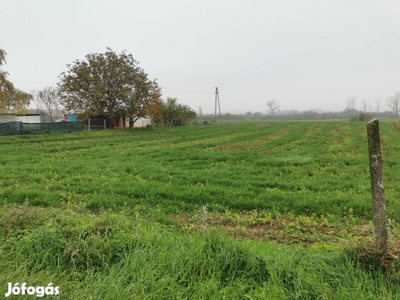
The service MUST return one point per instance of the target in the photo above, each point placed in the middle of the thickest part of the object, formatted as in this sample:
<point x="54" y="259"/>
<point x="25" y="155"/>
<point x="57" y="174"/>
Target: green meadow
<point x="266" y="210"/>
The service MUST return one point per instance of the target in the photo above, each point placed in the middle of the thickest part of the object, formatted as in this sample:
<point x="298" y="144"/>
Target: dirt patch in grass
<point x="282" y="228"/>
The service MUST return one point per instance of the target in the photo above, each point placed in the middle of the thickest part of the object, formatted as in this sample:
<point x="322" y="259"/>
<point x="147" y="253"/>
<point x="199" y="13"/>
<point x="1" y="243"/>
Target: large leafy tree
<point x="143" y="98"/>
<point x="107" y="84"/>
<point x="12" y="100"/>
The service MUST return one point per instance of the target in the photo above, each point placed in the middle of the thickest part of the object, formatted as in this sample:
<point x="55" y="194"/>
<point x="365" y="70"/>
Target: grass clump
<point x="19" y="217"/>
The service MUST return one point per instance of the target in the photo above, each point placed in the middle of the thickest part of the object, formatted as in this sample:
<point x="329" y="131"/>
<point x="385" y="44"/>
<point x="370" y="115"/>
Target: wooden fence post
<point x="378" y="201"/>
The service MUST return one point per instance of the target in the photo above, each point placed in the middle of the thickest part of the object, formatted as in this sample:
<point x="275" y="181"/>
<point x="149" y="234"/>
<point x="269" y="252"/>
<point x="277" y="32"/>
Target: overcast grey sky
<point x="306" y="54"/>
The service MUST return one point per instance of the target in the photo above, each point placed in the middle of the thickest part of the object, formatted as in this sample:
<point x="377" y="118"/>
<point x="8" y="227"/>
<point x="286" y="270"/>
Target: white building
<point x="32" y="116"/>
<point x="140" y="123"/>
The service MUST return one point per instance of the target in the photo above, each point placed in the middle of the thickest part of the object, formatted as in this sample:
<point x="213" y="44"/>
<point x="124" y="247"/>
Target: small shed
<point x="141" y="123"/>
<point x="32" y="116"/>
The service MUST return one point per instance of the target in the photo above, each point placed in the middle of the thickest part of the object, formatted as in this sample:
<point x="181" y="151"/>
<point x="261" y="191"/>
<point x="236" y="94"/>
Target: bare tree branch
<point x="48" y="102"/>
<point x="364" y="105"/>
<point x="394" y="103"/>
<point x="273" y="107"/>
<point x="351" y="104"/>
<point x="378" y="105"/>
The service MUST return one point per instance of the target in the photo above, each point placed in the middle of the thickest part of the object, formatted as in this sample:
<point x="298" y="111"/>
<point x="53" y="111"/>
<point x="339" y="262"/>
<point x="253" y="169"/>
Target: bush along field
<point x="277" y="210"/>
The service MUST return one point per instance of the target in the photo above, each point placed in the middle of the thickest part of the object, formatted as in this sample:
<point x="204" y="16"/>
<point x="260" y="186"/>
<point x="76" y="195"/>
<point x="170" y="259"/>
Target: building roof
<point x="30" y="112"/>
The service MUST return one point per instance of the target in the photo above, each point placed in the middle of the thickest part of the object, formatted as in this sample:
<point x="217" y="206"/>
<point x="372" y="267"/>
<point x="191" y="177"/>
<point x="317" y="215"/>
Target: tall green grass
<point x="117" y="256"/>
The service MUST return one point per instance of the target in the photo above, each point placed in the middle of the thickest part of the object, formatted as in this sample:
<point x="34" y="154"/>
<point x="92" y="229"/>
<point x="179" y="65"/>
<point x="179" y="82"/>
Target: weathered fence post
<point x="378" y="201"/>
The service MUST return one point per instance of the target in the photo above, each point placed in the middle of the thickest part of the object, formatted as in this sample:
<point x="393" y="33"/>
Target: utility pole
<point x="219" y="106"/>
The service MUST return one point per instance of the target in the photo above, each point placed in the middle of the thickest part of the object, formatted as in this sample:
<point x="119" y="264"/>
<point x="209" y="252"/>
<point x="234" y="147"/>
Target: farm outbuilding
<point x="141" y="123"/>
<point x="123" y="122"/>
<point x="32" y="116"/>
<point x="101" y="122"/>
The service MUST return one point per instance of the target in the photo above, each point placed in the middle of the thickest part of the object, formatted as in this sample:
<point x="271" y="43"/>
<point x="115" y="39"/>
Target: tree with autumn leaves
<point x="110" y="85"/>
<point x="12" y="100"/>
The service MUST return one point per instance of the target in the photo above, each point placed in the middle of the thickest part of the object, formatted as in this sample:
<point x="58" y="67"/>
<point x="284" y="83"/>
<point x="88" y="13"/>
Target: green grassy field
<point x="276" y="210"/>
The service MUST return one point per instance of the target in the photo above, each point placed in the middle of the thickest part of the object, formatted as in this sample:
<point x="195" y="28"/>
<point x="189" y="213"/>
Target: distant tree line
<point x="354" y="111"/>
<point x="296" y="115"/>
